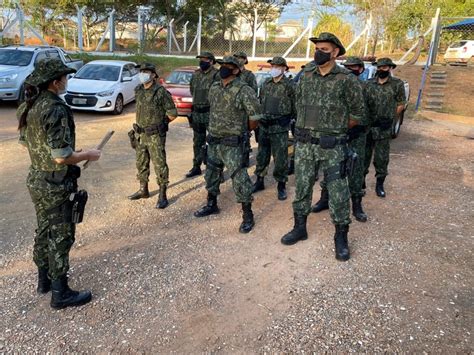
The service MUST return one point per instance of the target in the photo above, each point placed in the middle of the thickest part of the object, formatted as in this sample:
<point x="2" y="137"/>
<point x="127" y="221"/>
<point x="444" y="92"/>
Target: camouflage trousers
<point x="380" y="149"/>
<point x="200" y="125"/>
<point x="220" y="156"/>
<point x="52" y="242"/>
<point x="309" y="158"/>
<point x="357" y="178"/>
<point x="276" y="145"/>
<point x="151" y="148"/>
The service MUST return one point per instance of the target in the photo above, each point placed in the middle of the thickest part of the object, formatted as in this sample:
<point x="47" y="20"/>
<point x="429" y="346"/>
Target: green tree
<point x="334" y="24"/>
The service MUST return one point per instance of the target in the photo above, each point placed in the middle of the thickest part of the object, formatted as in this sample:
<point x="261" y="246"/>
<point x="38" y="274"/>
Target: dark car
<point x="177" y="83"/>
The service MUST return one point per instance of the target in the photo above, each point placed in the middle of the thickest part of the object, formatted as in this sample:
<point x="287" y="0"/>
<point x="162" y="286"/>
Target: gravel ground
<point x="166" y="282"/>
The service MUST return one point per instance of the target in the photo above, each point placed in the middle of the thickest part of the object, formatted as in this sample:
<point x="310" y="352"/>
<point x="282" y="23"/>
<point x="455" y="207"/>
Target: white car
<point x="103" y="85"/>
<point x="460" y="52"/>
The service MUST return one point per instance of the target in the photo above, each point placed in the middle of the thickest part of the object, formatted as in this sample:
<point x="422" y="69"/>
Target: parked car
<point x="17" y="62"/>
<point x="103" y="85"/>
<point x="177" y="83"/>
<point x="460" y="52"/>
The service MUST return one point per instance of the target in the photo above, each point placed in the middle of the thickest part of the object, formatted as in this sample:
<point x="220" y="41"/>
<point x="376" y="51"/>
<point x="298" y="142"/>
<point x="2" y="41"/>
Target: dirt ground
<point x="164" y="281"/>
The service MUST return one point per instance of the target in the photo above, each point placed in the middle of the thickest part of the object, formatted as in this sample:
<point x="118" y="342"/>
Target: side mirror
<point x="126" y="79"/>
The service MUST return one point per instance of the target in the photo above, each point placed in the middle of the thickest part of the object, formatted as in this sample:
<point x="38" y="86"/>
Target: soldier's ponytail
<point x="31" y="94"/>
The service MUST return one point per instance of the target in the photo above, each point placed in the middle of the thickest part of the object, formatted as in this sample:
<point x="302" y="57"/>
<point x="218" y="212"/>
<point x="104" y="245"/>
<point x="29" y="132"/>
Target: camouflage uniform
<point x="382" y="102"/>
<point x="278" y="102"/>
<point x="152" y="107"/>
<point x="246" y="75"/>
<point x="199" y="86"/>
<point x="50" y="134"/>
<point x="324" y="105"/>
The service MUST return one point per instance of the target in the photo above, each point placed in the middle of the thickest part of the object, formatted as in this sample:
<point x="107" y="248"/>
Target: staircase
<point x="435" y="92"/>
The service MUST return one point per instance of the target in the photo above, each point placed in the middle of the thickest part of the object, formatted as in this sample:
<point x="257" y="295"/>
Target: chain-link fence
<point x="456" y="40"/>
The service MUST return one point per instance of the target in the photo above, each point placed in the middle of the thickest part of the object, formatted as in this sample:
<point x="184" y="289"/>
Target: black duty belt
<point x="231" y="141"/>
<point x="203" y="109"/>
<point x="326" y="142"/>
<point x="383" y="123"/>
<point x="158" y="128"/>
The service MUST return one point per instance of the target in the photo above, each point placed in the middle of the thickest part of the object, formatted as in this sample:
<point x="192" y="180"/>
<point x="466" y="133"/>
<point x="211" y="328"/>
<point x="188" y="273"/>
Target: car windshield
<point x="15" y="57"/>
<point x="458" y="44"/>
<point x="98" y="72"/>
<point x="179" y="78"/>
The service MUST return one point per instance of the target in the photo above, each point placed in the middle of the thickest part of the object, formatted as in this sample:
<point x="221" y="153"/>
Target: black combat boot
<point x="340" y="242"/>
<point x="357" y="210"/>
<point x="141" y="193"/>
<point x="379" y="190"/>
<point x="62" y="296"/>
<point x="259" y="184"/>
<point x="323" y="203"/>
<point x="281" y="190"/>
<point x="44" y="283"/>
<point x="247" y="218"/>
<point x="210" y="208"/>
<point x="162" y="199"/>
<point x="195" y="171"/>
<point x="298" y="232"/>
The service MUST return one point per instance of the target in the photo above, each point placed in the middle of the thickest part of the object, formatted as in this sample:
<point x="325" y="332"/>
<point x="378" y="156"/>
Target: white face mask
<point x="144" y="77"/>
<point x="63" y="90"/>
<point x="275" y="72"/>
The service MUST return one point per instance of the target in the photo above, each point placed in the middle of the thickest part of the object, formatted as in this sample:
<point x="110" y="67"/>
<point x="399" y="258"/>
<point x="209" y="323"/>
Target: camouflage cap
<point x="229" y="60"/>
<point x="207" y="55"/>
<point x="331" y="38"/>
<point x="47" y="70"/>
<point x="278" y="61"/>
<point x="385" y="61"/>
<point x="147" y="66"/>
<point x="241" y="55"/>
<point x="353" y="61"/>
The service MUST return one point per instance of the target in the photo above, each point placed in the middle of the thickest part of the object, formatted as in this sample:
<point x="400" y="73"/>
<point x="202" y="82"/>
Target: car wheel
<point x="118" y="105"/>
<point x="397" y="124"/>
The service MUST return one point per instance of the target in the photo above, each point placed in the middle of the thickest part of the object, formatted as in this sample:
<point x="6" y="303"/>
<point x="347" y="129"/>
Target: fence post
<point x="254" y="44"/>
<point x="185" y="36"/>
<point x="112" y="31"/>
<point x="199" y="32"/>
<point x="435" y="37"/>
<point x="21" y="20"/>
<point x="169" y="36"/>
<point x="310" y="33"/>
<point x="369" y="31"/>
<point x="79" y="27"/>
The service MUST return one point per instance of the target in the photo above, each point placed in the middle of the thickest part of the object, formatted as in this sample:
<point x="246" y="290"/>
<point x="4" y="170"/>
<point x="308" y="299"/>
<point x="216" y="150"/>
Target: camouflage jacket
<point x="249" y="78"/>
<point x="278" y="100"/>
<point x="326" y="103"/>
<point x="200" y="84"/>
<point x="383" y="99"/>
<point x="153" y="105"/>
<point x="365" y="117"/>
<point x="231" y="107"/>
<point x="50" y="132"/>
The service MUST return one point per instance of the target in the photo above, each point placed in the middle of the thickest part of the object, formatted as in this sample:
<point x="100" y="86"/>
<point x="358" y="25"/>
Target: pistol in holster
<point x="71" y="210"/>
<point x="132" y="138"/>
<point x="204" y="153"/>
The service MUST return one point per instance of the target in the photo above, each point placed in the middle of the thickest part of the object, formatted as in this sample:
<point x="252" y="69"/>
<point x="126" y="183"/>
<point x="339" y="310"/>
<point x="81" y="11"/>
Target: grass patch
<point x="165" y="65"/>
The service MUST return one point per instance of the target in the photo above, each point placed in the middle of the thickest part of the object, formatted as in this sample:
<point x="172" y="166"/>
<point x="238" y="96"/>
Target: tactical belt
<point x="231" y="141"/>
<point x="158" y="128"/>
<point x="384" y="124"/>
<point x="204" y="109"/>
<point x="326" y="142"/>
<point x="282" y="121"/>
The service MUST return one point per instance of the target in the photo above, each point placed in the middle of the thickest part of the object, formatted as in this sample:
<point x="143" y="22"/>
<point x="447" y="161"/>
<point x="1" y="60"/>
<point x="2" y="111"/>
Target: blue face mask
<point x="204" y="65"/>
<point x="225" y="72"/>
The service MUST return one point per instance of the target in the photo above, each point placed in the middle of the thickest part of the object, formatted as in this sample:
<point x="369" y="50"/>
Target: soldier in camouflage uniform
<point x="357" y="138"/>
<point x="385" y="99"/>
<point x="155" y="109"/>
<point x="328" y="102"/>
<point x="277" y="96"/>
<point x="231" y="103"/>
<point x="201" y="81"/>
<point x="246" y="75"/>
<point x="47" y="130"/>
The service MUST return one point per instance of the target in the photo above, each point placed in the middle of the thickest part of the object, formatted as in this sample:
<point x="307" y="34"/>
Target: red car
<point x="177" y="83"/>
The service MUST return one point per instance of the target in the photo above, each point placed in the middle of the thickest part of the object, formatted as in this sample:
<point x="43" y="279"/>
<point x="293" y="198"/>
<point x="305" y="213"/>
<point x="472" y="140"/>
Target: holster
<point x="204" y="153"/>
<point x="132" y="138"/>
<point x="70" y="211"/>
<point x="384" y="123"/>
<point x="350" y="163"/>
<point x="355" y="132"/>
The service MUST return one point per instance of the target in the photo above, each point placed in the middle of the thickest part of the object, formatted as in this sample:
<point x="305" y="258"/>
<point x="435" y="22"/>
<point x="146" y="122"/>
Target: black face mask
<point x="321" y="57"/>
<point x="382" y="74"/>
<point x="204" y="65"/>
<point x="356" y="72"/>
<point x="225" y="72"/>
